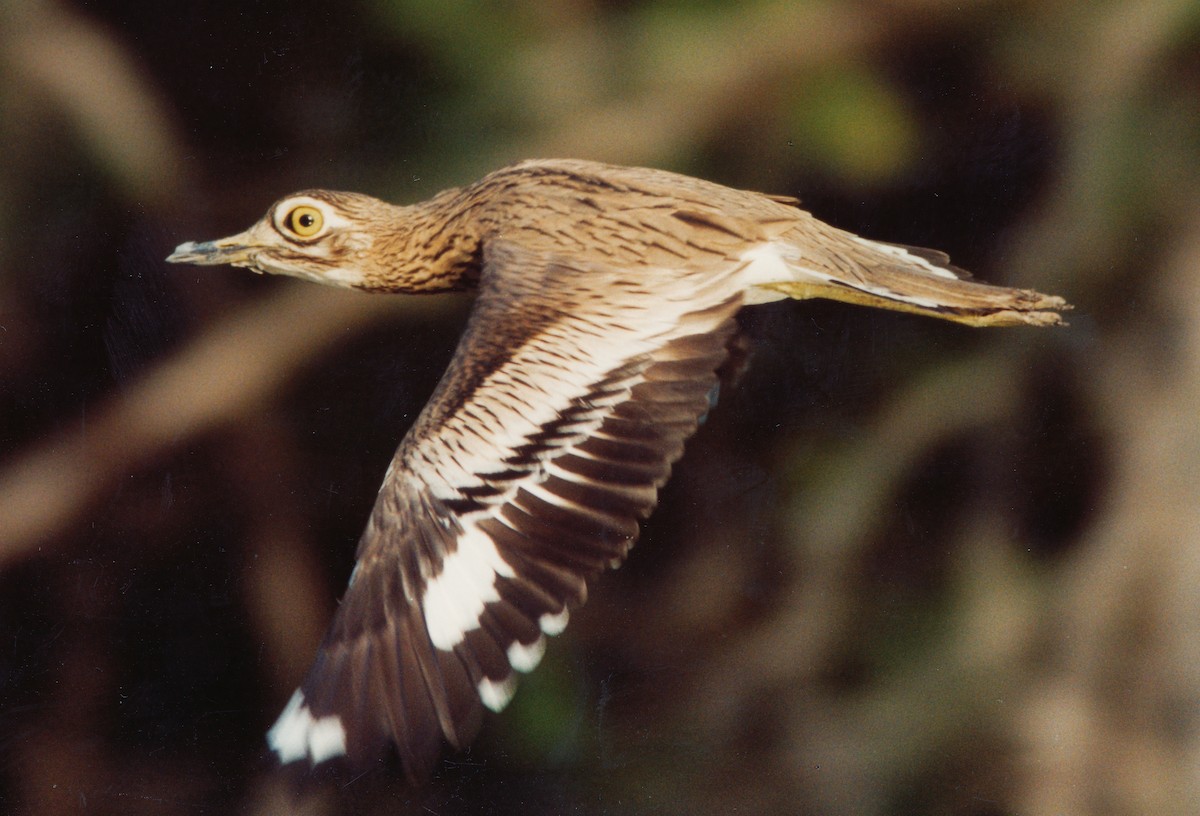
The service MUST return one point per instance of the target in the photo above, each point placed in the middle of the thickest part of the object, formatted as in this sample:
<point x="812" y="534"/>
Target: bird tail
<point x="901" y="278"/>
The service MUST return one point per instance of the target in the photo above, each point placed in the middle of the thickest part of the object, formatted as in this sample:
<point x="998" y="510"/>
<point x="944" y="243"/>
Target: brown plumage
<point x="605" y="305"/>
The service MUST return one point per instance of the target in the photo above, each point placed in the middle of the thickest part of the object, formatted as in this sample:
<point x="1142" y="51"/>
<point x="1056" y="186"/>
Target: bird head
<point x="317" y="235"/>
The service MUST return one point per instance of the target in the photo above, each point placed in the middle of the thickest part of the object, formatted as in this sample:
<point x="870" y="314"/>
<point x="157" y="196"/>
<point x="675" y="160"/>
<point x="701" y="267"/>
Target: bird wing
<point x="571" y="394"/>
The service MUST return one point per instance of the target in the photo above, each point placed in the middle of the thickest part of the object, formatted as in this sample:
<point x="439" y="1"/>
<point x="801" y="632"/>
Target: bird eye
<point x="304" y="220"/>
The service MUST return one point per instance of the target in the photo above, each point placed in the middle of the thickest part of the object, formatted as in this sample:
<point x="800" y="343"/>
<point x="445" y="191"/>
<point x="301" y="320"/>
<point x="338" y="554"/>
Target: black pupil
<point x="305" y="220"/>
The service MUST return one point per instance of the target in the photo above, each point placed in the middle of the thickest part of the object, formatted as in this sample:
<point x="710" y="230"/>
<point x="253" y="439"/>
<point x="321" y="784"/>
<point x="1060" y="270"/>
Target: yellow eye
<point x="304" y="220"/>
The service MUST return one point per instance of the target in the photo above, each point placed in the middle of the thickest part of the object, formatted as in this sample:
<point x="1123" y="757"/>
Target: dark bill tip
<point x="183" y="252"/>
<point x="232" y="250"/>
<point x="196" y="252"/>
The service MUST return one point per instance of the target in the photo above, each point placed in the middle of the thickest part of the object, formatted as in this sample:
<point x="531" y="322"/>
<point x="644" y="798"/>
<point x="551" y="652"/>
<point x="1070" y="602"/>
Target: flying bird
<point x="605" y="303"/>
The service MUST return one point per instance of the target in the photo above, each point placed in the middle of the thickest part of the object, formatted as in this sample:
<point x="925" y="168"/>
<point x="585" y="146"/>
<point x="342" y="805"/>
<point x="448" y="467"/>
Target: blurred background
<point x="906" y="568"/>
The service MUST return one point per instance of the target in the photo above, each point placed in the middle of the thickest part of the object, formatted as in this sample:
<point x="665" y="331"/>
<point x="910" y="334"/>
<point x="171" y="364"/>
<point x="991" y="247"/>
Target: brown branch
<point x="222" y="377"/>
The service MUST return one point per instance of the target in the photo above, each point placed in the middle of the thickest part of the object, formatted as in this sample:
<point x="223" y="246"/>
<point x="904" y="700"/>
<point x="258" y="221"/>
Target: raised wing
<point x="569" y="398"/>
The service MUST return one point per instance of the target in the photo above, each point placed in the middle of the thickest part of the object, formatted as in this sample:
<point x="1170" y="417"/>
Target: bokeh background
<point x="906" y="568"/>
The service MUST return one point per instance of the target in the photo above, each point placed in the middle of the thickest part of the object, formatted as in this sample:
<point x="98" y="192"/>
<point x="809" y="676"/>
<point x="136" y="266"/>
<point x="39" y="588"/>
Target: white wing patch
<point x="554" y="624"/>
<point x="525" y="657"/>
<point x="454" y="598"/>
<point x="298" y="734"/>
<point x="495" y="694"/>
<point x="768" y="263"/>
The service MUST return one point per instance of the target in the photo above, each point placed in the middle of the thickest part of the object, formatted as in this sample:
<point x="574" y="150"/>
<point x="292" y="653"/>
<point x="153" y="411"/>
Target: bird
<point x="604" y="306"/>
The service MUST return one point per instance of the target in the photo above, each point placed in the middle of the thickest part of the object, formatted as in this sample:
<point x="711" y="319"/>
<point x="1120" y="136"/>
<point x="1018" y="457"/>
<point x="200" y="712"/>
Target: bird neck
<point x="435" y="247"/>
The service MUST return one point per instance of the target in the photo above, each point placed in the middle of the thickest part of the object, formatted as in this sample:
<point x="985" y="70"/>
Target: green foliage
<point x="849" y="123"/>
